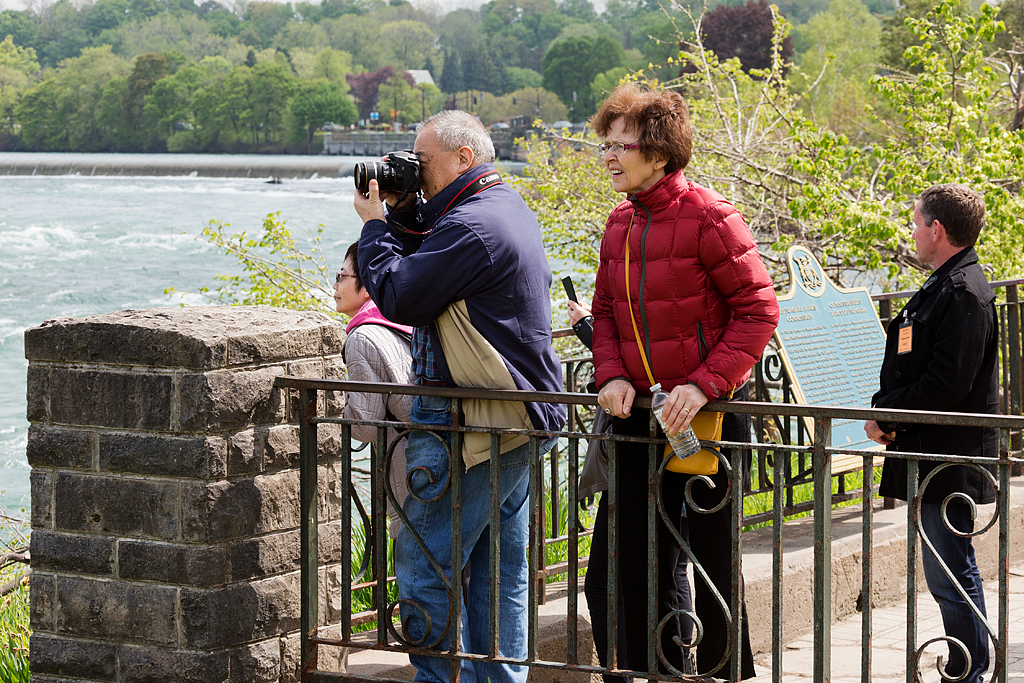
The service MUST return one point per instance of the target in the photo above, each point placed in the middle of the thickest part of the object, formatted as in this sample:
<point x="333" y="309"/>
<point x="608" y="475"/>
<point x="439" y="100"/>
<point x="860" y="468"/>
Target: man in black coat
<point x="941" y="354"/>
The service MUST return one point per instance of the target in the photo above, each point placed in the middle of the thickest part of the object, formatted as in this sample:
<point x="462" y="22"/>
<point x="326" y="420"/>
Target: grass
<point x="758" y="503"/>
<point x="14" y="607"/>
<point x="362" y="599"/>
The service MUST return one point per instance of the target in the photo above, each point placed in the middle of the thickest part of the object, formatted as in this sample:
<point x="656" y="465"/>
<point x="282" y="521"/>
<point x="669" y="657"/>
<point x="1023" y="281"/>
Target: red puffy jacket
<point x="702" y="298"/>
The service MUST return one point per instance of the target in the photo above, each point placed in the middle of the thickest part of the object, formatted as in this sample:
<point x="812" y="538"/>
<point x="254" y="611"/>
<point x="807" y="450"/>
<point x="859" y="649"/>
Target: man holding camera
<point x="466" y="267"/>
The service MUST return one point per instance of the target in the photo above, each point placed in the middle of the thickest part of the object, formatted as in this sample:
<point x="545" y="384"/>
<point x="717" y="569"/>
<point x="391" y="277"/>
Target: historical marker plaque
<point x="831" y="343"/>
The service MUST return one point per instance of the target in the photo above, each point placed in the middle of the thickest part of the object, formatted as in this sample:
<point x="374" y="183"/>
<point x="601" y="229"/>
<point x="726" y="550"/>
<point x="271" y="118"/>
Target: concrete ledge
<point x="889" y="585"/>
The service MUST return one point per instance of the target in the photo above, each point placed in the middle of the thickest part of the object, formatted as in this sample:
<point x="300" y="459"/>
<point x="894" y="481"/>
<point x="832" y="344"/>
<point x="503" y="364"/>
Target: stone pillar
<point x="165" y="492"/>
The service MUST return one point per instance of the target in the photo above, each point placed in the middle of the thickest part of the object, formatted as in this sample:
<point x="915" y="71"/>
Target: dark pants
<point x="595" y="586"/>
<point x="709" y="536"/>
<point x="958" y="619"/>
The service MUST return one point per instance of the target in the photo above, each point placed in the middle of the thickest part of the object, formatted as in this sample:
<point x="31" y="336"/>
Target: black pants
<point x="595" y="586"/>
<point x="709" y="536"/>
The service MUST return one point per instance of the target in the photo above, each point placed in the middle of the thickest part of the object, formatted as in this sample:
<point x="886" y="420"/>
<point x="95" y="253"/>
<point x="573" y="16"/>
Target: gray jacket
<point x="374" y="353"/>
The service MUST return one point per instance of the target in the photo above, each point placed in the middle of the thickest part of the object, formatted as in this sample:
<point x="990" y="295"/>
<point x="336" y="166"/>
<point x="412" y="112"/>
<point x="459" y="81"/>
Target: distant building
<point x="421" y="76"/>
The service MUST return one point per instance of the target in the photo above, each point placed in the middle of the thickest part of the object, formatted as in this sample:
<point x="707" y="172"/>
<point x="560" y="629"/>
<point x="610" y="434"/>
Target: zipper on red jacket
<point x="643" y="274"/>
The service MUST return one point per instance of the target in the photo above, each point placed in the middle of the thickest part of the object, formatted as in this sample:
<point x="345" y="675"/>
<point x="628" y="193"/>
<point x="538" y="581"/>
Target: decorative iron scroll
<point x="927" y="543"/>
<point x="698" y="569"/>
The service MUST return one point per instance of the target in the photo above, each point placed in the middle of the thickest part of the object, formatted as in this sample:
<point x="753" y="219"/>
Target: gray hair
<point x="455" y="128"/>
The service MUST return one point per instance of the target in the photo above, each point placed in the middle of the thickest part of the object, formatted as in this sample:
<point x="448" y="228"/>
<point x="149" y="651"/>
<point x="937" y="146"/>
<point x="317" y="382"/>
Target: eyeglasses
<point x="338" y="277"/>
<point x="616" y="148"/>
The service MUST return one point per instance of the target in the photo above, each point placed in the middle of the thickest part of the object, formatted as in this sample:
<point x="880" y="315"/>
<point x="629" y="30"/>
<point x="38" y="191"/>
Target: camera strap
<point x="479" y="184"/>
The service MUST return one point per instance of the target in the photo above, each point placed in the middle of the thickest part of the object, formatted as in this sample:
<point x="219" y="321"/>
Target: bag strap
<point x="629" y="302"/>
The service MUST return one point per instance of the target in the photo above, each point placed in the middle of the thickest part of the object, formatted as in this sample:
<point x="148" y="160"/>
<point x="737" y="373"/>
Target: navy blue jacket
<point x="486" y="250"/>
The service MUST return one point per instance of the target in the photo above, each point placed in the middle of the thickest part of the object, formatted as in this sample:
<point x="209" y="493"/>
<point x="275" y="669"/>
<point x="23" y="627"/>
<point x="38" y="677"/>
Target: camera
<point x="399" y="172"/>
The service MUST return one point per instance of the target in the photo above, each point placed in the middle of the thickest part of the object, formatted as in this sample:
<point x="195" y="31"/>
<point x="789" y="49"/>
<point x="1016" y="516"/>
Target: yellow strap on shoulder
<point x="629" y="301"/>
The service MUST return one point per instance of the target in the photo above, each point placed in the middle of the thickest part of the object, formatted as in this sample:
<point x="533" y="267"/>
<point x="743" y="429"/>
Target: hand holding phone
<point x="570" y="291"/>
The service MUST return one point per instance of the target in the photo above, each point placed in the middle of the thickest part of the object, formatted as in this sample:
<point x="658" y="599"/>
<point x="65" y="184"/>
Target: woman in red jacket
<point x="704" y="309"/>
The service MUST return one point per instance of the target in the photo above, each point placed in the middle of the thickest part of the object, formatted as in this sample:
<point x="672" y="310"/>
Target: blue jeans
<point x="958" y="620"/>
<point x="419" y="582"/>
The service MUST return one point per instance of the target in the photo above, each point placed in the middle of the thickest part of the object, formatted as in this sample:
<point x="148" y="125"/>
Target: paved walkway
<point x="889" y="638"/>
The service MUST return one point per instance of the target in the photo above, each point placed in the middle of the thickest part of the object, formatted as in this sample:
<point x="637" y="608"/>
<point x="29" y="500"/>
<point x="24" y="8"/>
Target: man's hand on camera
<point x="369" y="205"/>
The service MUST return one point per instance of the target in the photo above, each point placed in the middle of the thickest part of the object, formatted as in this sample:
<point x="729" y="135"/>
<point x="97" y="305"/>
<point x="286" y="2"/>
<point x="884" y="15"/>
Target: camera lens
<point x="382" y="172"/>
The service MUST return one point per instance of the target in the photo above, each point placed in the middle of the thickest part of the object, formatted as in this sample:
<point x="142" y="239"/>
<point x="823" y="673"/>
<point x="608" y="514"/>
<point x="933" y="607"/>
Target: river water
<point x="77" y="245"/>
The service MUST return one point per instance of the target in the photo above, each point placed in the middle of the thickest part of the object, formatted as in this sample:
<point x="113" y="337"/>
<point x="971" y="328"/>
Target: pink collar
<point x="370" y="314"/>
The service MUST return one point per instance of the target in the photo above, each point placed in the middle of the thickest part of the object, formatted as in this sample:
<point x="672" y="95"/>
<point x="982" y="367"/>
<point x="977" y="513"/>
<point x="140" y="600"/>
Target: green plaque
<point x="831" y="343"/>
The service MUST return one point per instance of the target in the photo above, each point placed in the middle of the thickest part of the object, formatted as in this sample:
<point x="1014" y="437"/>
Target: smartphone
<point x="570" y="291"/>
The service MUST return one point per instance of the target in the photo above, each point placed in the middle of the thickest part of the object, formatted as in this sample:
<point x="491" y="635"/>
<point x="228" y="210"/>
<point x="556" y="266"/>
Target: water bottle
<point x="684" y="444"/>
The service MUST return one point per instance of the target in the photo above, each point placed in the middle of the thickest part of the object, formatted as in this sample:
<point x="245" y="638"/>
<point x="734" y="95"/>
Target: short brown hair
<point x="661" y="117"/>
<point x="351" y="255"/>
<point x="960" y="209"/>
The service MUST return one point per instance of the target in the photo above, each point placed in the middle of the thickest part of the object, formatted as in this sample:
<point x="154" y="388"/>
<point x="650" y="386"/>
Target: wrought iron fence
<point x="371" y="572"/>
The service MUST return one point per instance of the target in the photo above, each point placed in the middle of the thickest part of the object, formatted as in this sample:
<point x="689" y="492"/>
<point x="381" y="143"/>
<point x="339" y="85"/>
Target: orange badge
<point x="906" y="337"/>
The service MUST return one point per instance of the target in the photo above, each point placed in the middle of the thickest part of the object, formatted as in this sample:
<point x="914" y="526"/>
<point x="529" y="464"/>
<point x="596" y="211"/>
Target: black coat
<point x="952" y="366"/>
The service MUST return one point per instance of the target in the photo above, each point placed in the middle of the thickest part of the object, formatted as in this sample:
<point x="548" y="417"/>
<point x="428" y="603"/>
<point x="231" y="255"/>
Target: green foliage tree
<point x="522" y="78"/>
<point x="452" y="78"/>
<point x="276" y="269"/>
<point x="187" y="34"/>
<point x="605" y="82"/>
<point x="265" y="20"/>
<point x="408" y="43"/>
<point x="843" y="51"/>
<point x="571" y="65"/>
<point x="110" y="116"/>
<point x="34" y="112"/>
<point x="357" y="35"/>
<point x="399" y="98"/>
<point x="221" y="22"/>
<point x="63" y="113"/>
<point x="332" y="65"/>
<point x="170" y="107"/>
<point x="566" y="186"/>
<point x="306" y="36"/>
<point x="897" y="35"/>
<point x="458" y="28"/>
<point x="17" y="66"/>
<point x="319" y="102"/>
<point x="798" y="182"/>
<point x="582" y="10"/>
<point x="19" y="25"/>
<point x="481" y="70"/>
<point x="61" y="32"/>
<point x="536" y="103"/>
<point x="146" y="71"/>
<point x="105" y="15"/>
<point x="271" y="88"/>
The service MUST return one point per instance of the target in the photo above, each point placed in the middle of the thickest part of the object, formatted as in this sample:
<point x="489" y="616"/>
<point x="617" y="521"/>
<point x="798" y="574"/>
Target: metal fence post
<point x="308" y="530"/>
<point x="781" y="465"/>
<point x="912" y="555"/>
<point x="867" y="491"/>
<point x="1002" y="646"/>
<point x="822" y="550"/>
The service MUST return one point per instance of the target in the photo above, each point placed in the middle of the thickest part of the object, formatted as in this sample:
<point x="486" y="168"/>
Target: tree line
<point x="173" y="75"/>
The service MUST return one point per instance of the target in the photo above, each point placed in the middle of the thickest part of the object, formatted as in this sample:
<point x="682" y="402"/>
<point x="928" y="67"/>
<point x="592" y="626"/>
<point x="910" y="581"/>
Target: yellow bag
<point x="707" y="425"/>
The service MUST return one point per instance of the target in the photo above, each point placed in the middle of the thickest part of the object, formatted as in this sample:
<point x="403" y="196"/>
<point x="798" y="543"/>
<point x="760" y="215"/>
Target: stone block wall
<point x="165" y="493"/>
